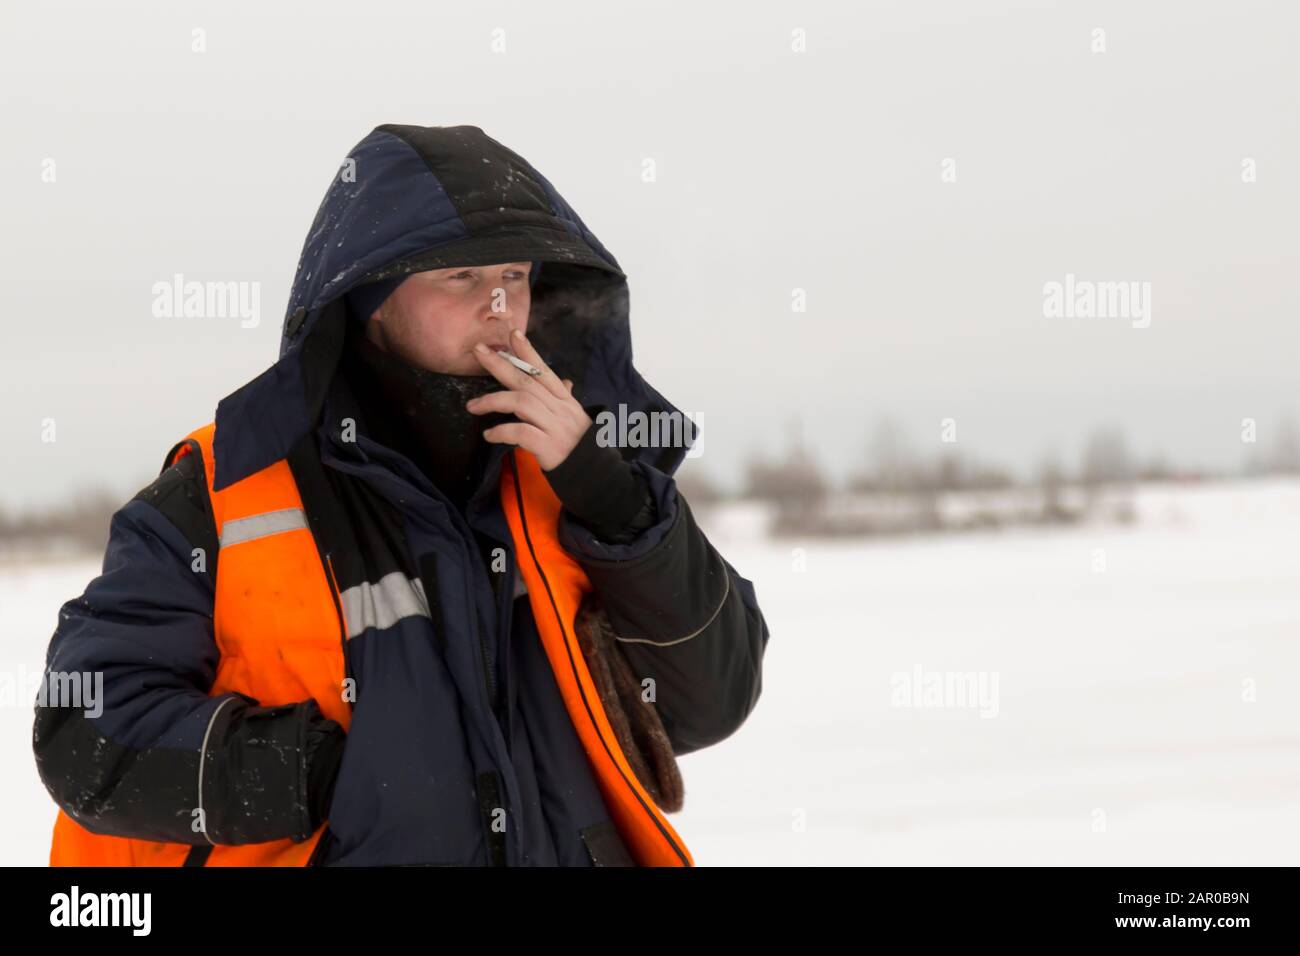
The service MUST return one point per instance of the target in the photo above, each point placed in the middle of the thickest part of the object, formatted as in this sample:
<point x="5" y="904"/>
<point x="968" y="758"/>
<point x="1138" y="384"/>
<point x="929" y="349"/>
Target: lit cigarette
<point x="520" y="364"/>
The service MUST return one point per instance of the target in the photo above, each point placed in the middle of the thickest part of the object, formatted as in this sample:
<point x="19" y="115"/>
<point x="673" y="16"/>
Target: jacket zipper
<point x="476" y="558"/>
<point x="489" y="680"/>
<point x="488" y="784"/>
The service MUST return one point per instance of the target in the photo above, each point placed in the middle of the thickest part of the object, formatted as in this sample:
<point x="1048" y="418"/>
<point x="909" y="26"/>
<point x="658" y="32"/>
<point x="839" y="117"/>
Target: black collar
<point x="421" y="414"/>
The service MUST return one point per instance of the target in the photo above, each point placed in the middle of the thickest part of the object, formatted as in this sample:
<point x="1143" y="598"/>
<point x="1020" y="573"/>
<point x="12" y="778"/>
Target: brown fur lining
<point x="636" y="722"/>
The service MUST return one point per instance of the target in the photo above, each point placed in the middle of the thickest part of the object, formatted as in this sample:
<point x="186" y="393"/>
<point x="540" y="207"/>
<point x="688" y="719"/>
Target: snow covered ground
<point x="1143" y="702"/>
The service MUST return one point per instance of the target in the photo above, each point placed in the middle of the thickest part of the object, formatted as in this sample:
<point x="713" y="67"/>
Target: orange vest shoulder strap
<point x="264" y="502"/>
<point x="556" y="586"/>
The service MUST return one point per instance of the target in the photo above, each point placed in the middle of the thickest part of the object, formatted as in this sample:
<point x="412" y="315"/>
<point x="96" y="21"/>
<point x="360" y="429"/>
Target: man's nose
<point x="500" y="304"/>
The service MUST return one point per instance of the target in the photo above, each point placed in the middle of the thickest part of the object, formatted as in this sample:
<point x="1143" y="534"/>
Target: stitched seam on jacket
<point x="643" y="640"/>
<point x="203" y="756"/>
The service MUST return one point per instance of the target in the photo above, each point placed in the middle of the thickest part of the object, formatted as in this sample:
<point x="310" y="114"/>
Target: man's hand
<point x="551" y="420"/>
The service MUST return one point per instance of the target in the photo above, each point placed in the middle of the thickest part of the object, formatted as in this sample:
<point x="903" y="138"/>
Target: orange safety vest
<point x="274" y="583"/>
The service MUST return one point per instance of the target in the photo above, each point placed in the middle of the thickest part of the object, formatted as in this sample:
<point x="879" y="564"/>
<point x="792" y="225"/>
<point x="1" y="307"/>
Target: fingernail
<point x="517" y="334"/>
<point x="481" y="348"/>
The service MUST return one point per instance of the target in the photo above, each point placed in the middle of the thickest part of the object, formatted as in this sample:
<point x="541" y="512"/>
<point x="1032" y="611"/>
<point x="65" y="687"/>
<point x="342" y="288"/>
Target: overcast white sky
<point x="777" y="171"/>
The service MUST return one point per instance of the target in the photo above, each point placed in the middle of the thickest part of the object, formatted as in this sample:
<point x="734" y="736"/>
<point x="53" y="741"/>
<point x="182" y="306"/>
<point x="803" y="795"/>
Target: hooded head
<point x="412" y="199"/>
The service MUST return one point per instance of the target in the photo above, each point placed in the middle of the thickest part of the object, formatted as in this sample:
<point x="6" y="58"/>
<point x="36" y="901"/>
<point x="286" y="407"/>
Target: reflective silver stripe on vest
<point x="383" y="604"/>
<point x="239" y="530"/>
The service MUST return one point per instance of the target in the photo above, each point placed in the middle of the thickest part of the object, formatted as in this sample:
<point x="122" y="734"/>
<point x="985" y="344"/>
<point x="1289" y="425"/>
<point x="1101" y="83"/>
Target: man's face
<point x="435" y="318"/>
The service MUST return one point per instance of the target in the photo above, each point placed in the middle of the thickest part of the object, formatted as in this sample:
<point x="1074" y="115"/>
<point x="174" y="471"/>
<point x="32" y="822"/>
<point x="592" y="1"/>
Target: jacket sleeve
<point x="684" y="616"/>
<point x="127" y="740"/>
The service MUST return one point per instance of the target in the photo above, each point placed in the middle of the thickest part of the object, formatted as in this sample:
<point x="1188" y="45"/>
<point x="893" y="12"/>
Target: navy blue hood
<point x="409" y="199"/>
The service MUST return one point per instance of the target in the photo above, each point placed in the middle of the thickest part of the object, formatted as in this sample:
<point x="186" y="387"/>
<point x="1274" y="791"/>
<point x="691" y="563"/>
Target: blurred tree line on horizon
<point x="797" y="485"/>
<point x="907" y="486"/>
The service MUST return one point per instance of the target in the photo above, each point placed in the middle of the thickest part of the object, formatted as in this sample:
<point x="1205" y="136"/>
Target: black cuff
<point x="254" y="780"/>
<point x="325" y="740"/>
<point x="597" y="486"/>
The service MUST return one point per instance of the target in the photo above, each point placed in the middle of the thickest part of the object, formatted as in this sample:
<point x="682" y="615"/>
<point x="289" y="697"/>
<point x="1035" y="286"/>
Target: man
<point x="398" y="605"/>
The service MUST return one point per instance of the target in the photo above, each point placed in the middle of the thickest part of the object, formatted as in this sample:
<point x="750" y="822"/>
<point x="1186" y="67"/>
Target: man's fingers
<point x="524" y="349"/>
<point x="513" y="378"/>
<point x="525" y="405"/>
<point x="527" y="437"/>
